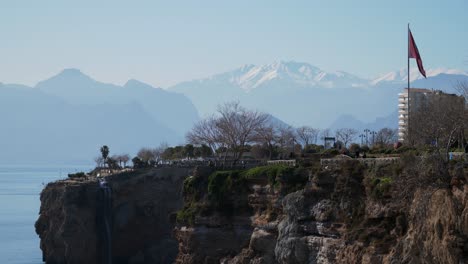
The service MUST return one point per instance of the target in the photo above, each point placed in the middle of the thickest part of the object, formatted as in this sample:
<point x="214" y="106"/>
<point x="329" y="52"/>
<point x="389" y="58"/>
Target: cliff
<point x="141" y="206"/>
<point x="402" y="211"/>
<point x="408" y="211"/>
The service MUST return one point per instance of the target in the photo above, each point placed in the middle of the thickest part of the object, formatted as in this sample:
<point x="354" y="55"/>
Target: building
<point x="418" y="99"/>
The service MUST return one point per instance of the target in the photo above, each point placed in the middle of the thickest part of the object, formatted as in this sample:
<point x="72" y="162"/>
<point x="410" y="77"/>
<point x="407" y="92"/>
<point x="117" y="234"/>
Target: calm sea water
<point x="19" y="208"/>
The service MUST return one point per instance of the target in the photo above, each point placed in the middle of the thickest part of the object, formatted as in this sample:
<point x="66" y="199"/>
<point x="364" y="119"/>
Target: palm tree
<point x="105" y="153"/>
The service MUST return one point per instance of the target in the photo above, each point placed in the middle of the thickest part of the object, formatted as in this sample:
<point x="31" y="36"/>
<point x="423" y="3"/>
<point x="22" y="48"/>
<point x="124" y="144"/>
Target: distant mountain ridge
<point x="402" y="75"/>
<point x="302" y="94"/>
<point x="77" y="88"/>
<point x="66" y="118"/>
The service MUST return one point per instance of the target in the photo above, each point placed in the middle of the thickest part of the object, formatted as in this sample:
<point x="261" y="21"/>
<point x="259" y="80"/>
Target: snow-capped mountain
<point x="302" y="94"/>
<point x="402" y="75"/>
<point x="249" y="77"/>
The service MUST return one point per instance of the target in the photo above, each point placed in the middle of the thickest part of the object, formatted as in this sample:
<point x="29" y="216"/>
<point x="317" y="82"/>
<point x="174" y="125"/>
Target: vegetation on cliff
<point x="353" y="212"/>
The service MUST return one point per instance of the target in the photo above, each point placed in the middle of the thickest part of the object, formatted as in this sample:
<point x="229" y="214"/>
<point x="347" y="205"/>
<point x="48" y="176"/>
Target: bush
<point x="293" y="179"/>
<point x="312" y="148"/>
<point x="380" y="187"/>
<point x="220" y="184"/>
<point x="404" y="149"/>
<point x="330" y="152"/>
<point x="77" y="175"/>
<point x="270" y="172"/>
<point x="187" y="214"/>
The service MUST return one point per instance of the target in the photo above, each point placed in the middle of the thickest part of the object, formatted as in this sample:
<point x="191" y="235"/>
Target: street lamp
<point x="373" y="133"/>
<point x="367" y="131"/>
<point x="362" y="139"/>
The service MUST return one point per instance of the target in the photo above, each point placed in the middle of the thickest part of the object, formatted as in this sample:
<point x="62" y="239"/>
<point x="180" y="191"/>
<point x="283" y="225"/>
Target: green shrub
<point x="77" y="175"/>
<point x="271" y="172"/>
<point x="220" y="184"/>
<point x="293" y="179"/>
<point x="313" y="148"/>
<point x="380" y="187"/>
<point x="330" y="152"/>
<point x="187" y="214"/>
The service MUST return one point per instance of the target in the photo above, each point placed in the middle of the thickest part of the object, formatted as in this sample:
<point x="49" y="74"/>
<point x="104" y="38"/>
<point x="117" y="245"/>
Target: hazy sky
<point x="163" y="43"/>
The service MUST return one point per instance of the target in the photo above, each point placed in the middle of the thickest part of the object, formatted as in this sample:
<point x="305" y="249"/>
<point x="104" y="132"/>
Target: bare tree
<point x="462" y="89"/>
<point x="238" y="125"/>
<point x="125" y="158"/>
<point x="386" y="136"/>
<point x="324" y="134"/>
<point x="438" y="122"/>
<point x="206" y="132"/>
<point x="307" y="135"/>
<point x="233" y="127"/>
<point x="268" y="135"/>
<point x="146" y="155"/>
<point x="99" y="161"/>
<point x="157" y="154"/>
<point x="287" y="139"/>
<point x="117" y="158"/>
<point x="346" y="135"/>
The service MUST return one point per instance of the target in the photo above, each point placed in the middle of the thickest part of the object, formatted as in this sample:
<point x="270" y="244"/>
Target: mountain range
<point x="66" y="118"/>
<point x="302" y="94"/>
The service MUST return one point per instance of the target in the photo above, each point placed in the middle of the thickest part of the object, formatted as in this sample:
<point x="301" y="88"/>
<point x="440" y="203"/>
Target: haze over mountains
<point x="300" y="93"/>
<point x="67" y="117"/>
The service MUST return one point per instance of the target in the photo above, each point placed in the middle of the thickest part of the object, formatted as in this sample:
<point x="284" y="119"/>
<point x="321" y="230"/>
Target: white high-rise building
<point x="418" y="98"/>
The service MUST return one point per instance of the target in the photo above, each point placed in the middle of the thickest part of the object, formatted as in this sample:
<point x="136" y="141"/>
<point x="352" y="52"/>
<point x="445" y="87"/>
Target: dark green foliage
<point x="187" y="151"/>
<point x="187" y="214"/>
<point x="365" y="148"/>
<point x="405" y="149"/>
<point x="332" y="151"/>
<point x="77" y="175"/>
<point x="293" y="179"/>
<point x="104" y="152"/>
<point x="312" y="148"/>
<point x="380" y="187"/>
<point x="270" y="172"/>
<point x="221" y="184"/>
<point x="354" y="150"/>
<point x="138" y="163"/>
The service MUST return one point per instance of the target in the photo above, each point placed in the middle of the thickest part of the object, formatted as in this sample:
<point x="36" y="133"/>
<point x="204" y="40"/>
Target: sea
<point x="20" y="187"/>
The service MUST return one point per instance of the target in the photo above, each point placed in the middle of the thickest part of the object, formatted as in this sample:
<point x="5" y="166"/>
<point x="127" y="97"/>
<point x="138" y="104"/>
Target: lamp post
<point x="362" y="139"/>
<point x="367" y="131"/>
<point x="373" y="133"/>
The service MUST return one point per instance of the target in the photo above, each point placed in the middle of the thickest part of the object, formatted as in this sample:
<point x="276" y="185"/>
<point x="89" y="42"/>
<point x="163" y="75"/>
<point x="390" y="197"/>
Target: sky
<point x="166" y="42"/>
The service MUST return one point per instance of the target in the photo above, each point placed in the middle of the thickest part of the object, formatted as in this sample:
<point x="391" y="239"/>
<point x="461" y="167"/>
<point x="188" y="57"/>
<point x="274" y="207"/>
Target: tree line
<point x="237" y="130"/>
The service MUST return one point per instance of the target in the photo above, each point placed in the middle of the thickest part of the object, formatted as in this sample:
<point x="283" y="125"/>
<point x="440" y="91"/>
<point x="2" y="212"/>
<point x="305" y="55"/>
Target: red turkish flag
<point x="413" y="52"/>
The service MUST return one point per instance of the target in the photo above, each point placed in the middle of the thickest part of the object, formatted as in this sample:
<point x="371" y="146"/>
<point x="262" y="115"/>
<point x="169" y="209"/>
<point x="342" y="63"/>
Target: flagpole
<point x="408" y="104"/>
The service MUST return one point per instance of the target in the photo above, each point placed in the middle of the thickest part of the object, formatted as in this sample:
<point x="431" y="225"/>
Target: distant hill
<point x="170" y="109"/>
<point x="67" y="118"/>
<point x="347" y="121"/>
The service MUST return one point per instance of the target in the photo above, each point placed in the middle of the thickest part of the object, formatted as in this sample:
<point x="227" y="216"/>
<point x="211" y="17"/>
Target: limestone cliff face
<point x="412" y="211"/>
<point x="395" y="213"/>
<point x="142" y="204"/>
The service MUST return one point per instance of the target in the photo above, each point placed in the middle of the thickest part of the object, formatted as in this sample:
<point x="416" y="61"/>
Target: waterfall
<point x="104" y="218"/>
